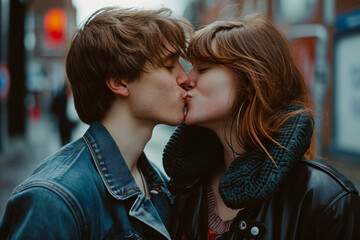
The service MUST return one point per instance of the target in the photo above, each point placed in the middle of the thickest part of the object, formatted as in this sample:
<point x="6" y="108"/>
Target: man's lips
<point x="188" y="99"/>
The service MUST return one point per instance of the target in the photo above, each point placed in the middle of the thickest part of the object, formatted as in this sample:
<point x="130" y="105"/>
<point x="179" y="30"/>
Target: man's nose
<point x="184" y="80"/>
<point x="192" y="82"/>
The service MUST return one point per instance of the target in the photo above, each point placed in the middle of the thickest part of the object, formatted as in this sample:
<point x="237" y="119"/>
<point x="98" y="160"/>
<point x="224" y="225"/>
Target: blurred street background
<point x="37" y="115"/>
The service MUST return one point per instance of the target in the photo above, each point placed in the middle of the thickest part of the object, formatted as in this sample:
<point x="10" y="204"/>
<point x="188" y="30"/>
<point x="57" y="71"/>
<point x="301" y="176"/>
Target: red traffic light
<point x="55" y="27"/>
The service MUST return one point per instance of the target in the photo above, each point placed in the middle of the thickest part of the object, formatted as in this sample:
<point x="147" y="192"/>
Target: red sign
<point x="55" y="27"/>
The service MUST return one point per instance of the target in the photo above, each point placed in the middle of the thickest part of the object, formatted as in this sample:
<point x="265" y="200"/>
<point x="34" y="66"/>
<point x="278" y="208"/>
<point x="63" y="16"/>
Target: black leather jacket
<point x="314" y="202"/>
<point x="299" y="200"/>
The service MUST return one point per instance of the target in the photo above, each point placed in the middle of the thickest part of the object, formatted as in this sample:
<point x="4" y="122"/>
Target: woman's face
<point x="211" y="100"/>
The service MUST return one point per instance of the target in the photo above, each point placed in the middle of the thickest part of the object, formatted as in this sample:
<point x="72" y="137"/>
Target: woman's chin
<point x="190" y="120"/>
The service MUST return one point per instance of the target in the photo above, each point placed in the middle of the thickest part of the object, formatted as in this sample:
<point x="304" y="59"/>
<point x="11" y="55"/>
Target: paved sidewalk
<point x="23" y="154"/>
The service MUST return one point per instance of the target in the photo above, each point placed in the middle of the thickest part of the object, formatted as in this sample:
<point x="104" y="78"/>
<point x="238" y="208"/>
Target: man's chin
<point x="176" y="122"/>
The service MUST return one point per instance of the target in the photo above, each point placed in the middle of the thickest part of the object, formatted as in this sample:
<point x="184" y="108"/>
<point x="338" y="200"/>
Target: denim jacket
<point x="86" y="191"/>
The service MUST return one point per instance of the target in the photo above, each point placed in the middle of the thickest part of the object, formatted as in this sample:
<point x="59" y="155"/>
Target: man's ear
<point x="118" y="86"/>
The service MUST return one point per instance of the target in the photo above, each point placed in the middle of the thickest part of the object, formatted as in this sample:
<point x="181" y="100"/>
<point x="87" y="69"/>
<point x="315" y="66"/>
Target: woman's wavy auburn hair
<point x="267" y="79"/>
<point x="119" y="43"/>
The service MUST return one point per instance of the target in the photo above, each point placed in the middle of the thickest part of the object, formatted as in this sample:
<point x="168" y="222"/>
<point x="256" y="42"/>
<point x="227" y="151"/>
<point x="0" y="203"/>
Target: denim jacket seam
<point x="105" y="180"/>
<point x="98" y="163"/>
<point x="131" y="189"/>
<point x="81" y="145"/>
<point x="157" y="180"/>
<point x="65" y="196"/>
<point x="69" y="158"/>
<point x="73" y="149"/>
<point x="14" y="219"/>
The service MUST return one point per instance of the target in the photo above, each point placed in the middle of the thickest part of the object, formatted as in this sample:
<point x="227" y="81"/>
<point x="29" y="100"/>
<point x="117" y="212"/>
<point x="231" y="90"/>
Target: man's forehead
<point x="169" y="51"/>
<point x="169" y="55"/>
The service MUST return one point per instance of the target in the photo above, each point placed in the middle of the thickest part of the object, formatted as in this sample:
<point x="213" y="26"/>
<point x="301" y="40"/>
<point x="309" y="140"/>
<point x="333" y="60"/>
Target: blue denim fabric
<point x="86" y="191"/>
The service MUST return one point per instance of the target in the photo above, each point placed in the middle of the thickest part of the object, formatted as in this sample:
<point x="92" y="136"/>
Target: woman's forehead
<point x="203" y="51"/>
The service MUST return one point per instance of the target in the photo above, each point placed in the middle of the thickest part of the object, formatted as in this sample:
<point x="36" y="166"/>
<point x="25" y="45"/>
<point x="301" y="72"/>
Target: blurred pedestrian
<point x="241" y="172"/>
<point x="61" y="108"/>
<point x="123" y="67"/>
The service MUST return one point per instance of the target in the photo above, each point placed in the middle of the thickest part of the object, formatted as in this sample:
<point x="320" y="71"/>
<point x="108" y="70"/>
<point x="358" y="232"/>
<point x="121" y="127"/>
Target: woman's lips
<point x="188" y="99"/>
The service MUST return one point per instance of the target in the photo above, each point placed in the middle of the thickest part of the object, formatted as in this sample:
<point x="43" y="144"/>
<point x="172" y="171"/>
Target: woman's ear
<point x="118" y="86"/>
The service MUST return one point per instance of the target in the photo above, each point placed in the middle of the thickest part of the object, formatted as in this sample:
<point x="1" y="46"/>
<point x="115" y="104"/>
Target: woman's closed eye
<point x="202" y="69"/>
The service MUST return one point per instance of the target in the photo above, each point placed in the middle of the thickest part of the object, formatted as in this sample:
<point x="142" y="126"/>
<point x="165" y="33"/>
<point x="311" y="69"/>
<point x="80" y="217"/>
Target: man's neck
<point x="129" y="135"/>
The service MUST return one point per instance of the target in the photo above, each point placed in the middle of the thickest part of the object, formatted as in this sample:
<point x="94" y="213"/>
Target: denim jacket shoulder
<point x="86" y="191"/>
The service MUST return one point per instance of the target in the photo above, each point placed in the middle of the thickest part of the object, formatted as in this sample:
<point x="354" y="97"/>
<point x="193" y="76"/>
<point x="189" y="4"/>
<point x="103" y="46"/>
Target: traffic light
<point x="55" y="27"/>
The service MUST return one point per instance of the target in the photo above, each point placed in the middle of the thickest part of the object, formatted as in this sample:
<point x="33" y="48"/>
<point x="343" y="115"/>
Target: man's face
<point x="158" y="95"/>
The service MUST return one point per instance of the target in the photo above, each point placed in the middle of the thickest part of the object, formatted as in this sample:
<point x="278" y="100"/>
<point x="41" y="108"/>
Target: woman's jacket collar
<point x="193" y="153"/>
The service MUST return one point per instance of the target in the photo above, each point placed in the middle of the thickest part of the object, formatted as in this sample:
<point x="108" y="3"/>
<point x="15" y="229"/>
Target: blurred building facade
<point x="324" y="34"/>
<point x="325" y="40"/>
<point x="35" y="35"/>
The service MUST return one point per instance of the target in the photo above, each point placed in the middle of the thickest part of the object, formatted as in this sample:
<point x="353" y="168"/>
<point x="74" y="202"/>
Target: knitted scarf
<point x="195" y="152"/>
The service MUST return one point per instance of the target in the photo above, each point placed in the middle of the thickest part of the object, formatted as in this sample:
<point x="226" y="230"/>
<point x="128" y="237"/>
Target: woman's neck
<point x="228" y="138"/>
<point x="232" y="149"/>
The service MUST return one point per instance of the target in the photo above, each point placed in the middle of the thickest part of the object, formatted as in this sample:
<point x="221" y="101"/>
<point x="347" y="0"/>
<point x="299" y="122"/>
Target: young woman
<point x="241" y="172"/>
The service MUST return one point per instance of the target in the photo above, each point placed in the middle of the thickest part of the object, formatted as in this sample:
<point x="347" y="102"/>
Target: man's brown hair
<point x="118" y="43"/>
<point x="266" y="76"/>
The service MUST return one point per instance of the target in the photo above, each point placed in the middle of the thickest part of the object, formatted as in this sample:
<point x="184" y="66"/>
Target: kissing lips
<point x="188" y="99"/>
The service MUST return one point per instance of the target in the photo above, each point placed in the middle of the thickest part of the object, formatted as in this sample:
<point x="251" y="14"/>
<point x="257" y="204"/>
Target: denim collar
<point x="112" y="167"/>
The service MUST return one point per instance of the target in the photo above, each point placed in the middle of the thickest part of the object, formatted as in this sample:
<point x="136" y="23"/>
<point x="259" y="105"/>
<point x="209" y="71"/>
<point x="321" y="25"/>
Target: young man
<point x="124" y="70"/>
